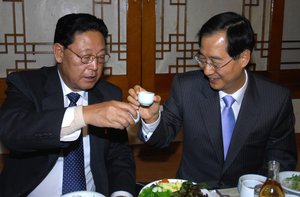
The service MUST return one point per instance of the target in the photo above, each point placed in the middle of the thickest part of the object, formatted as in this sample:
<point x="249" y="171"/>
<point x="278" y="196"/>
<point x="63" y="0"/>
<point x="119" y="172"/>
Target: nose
<point x="94" y="64"/>
<point x="208" y="70"/>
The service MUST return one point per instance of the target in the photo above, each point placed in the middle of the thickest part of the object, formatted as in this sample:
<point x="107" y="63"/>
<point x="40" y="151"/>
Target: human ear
<point x="58" y="51"/>
<point x="245" y="58"/>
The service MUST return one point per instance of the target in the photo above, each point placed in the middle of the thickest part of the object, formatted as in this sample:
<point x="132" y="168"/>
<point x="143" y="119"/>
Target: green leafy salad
<point x="165" y="188"/>
<point x="293" y="182"/>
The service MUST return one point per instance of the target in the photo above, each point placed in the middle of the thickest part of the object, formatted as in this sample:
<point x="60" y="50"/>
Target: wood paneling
<point x="2" y="156"/>
<point x="288" y="78"/>
<point x="2" y="90"/>
<point x="153" y="164"/>
<point x="276" y="31"/>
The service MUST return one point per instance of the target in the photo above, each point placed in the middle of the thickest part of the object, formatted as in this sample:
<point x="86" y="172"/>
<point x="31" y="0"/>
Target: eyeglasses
<point x="86" y="59"/>
<point x="203" y="62"/>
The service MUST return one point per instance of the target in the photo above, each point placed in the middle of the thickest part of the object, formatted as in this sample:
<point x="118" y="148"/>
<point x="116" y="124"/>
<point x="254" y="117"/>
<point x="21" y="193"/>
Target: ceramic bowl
<point x="257" y="177"/>
<point x="83" y="194"/>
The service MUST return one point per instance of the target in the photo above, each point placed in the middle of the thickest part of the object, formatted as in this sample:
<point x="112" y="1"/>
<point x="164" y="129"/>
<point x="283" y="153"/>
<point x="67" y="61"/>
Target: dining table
<point x="228" y="192"/>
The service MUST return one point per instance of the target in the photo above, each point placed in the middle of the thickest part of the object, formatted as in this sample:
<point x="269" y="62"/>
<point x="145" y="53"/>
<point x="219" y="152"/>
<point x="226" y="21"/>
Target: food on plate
<point x="293" y="182"/>
<point x="155" y="192"/>
<point x="165" y="188"/>
<point x="189" y="189"/>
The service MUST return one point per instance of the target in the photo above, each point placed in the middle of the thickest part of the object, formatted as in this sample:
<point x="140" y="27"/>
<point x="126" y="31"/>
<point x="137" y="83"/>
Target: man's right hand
<point x="111" y="114"/>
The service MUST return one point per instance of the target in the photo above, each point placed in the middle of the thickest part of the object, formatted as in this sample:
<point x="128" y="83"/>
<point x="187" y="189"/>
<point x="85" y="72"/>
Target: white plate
<point x="83" y="194"/>
<point x="291" y="195"/>
<point x="283" y="176"/>
<point x="204" y="191"/>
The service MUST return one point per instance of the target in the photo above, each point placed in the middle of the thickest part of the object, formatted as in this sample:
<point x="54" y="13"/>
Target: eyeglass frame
<point x="203" y="63"/>
<point x="91" y="58"/>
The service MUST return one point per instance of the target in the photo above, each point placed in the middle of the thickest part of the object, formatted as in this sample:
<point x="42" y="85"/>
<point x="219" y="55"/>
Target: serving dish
<point x="204" y="191"/>
<point x="285" y="186"/>
<point x="83" y="194"/>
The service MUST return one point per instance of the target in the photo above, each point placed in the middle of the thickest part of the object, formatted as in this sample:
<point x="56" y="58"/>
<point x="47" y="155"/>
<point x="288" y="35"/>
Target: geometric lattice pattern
<point x="26" y="40"/>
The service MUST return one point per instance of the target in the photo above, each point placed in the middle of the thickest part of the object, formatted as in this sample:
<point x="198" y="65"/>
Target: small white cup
<point x="145" y="98"/>
<point x="247" y="189"/>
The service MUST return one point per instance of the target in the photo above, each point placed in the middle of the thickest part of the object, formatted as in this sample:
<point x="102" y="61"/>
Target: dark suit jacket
<point x="31" y="119"/>
<point x="264" y="130"/>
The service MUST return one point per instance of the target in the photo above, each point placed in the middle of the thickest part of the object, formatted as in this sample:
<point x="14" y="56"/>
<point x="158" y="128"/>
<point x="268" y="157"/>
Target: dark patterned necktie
<point x="73" y="173"/>
<point x="228" y="123"/>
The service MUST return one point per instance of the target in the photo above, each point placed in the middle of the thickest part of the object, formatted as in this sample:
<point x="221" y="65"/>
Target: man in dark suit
<point x="262" y="111"/>
<point x="40" y="127"/>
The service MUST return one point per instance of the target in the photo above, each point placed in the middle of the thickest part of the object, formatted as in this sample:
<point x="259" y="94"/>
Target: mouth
<point x="213" y="79"/>
<point x="90" y="78"/>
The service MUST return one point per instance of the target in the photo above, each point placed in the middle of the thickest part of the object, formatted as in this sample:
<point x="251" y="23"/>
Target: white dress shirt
<point x="238" y="96"/>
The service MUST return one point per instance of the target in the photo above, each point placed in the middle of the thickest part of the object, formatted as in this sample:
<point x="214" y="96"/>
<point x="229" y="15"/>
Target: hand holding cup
<point x="145" y="98"/>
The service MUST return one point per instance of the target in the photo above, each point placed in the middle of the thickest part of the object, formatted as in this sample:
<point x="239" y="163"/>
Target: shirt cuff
<point x="148" y="129"/>
<point x="121" y="193"/>
<point x="72" y="123"/>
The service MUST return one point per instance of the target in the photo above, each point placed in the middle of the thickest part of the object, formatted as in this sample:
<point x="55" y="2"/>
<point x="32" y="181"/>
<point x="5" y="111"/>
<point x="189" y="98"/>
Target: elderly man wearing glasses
<point x="233" y="121"/>
<point x="64" y="127"/>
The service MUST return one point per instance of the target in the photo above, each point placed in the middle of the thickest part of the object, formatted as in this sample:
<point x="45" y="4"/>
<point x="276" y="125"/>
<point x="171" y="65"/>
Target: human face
<point x="77" y="75"/>
<point x="227" y="78"/>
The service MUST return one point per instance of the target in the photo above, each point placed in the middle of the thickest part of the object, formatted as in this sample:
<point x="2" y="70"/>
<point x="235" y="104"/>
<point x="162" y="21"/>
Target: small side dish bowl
<point x="286" y="185"/>
<point x="256" y="177"/>
<point x="83" y="194"/>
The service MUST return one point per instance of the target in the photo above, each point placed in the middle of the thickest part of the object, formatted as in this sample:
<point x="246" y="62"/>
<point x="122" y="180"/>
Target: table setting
<point x="172" y="187"/>
<point x="245" y="187"/>
<point x="289" y="180"/>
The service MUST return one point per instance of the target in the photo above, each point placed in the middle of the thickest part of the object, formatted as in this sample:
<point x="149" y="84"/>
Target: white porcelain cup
<point x="247" y="189"/>
<point x="145" y="98"/>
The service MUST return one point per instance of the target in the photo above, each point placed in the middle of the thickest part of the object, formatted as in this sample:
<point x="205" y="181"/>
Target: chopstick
<point x="222" y="195"/>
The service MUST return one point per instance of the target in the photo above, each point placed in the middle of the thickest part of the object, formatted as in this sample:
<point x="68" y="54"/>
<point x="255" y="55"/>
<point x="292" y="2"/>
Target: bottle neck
<point x="273" y="170"/>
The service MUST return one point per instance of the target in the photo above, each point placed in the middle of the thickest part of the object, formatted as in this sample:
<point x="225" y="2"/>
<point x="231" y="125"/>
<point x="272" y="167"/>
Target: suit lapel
<point x="53" y="95"/>
<point x="210" y="112"/>
<point x="95" y="95"/>
<point x="247" y="116"/>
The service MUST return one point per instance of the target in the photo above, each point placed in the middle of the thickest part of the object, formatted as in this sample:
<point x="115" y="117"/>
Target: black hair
<point x="70" y="24"/>
<point x="240" y="35"/>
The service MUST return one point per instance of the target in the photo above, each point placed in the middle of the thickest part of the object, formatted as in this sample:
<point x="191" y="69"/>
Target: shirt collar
<point x="66" y="90"/>
<point x="239" y="94"/>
